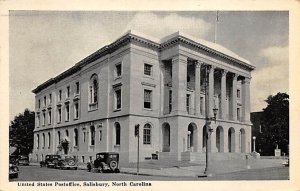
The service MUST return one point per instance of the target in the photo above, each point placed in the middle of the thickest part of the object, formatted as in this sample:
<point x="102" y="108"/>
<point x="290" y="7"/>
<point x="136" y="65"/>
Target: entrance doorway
<point x="231" y="140"/>
<point x="220" y="139"/>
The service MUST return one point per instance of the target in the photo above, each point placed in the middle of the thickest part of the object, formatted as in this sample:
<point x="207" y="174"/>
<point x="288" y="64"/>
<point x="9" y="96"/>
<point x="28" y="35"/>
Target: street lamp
<point x="254" y="143"/>
<point x="208" y="120"/>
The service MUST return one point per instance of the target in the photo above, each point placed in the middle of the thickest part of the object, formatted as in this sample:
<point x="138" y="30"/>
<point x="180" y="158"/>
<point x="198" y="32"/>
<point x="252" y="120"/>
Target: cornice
<point x="124" y="40"/>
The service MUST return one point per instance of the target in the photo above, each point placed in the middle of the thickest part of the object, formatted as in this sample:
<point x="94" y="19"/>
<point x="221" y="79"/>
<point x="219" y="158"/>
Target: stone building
<point x="156" y="83"/>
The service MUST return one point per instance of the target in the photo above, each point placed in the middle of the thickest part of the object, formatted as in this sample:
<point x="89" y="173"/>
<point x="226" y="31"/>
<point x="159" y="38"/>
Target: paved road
<point x="35" y="173"/>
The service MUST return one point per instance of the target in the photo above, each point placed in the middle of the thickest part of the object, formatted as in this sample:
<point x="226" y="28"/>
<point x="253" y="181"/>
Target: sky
<point x="42" y="44"/>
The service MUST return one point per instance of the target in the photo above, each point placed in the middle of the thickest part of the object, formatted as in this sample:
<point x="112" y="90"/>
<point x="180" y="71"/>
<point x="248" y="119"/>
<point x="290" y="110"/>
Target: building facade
<point x="158" y="84"/>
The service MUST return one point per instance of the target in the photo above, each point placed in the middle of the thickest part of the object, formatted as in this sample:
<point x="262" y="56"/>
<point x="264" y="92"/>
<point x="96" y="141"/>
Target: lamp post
<point x="254" y="143"/>
<point x="208" y="120"/>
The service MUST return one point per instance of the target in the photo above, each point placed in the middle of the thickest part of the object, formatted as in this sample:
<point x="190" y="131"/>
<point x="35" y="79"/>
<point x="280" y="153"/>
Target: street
<point x="35" y="173"/>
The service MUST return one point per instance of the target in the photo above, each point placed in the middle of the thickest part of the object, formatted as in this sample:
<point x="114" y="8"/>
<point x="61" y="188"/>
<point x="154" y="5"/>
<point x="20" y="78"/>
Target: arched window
<point x="67" y="133"/>
<point x="94" y="89"/>
<point x="37" y="141"/>
<point x="92" y="128"/>
<point x="75" y="137"/>
<point x="58" y="137"/>
<point x="49" y="140"/>
<point x="147" y="134"/>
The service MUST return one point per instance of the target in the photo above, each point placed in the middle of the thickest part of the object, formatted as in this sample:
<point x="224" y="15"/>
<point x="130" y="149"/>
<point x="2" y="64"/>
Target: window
<point x="118" y="99"/>
<point x="170" y="101"/>
<point x="201" y="105"/>
<point x="59" y="95"/>
<point x="77" y="87"/>
<point x="67" y="112"/>
<point x="37" y="141"/>
<point x="44" y="101"/>
<point x="50" y="98"/>
<point x="67" y="133"/>
<point x="118" y="70"/>
<point x="93" y="94"/>
<point x="39" y="103"/>
<point x="76" y="110"/>
<point x="44" y="118"/>
<point x="44" y="141"/>
<point x="118" y="133"/>
<point x="188" y="103"/>
<point x="49" y="140"/>
<point x="68" y="91"/>
<point x="238" y="93"/>
<point x="38" y="120"/>
<point x="49" y="117"/>
<point x="92" y="131"/>
<point x="147" y="134"/>
<point x="82" y="158"/>
<point x="148" y="69"/>
<point x="238" y="113"/>
<point x="59" y="115"/>
<point x="100" y="135"/>
<point x="147" y="99"/>
<point x="84" y="137"/>
<point x="75" y="137"/>
<point x="58" y="137"/>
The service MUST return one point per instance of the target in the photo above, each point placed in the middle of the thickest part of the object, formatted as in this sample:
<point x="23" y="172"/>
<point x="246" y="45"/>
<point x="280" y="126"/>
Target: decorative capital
<point x="179" y="58"/>
<point x="199" y="63"/>
<point x="246" y="80"/>
<point x="235" y="76"/>
<point x="224" y="73"/>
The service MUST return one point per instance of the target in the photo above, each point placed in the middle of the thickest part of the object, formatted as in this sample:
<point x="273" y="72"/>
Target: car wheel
<point x="113" y="165"/>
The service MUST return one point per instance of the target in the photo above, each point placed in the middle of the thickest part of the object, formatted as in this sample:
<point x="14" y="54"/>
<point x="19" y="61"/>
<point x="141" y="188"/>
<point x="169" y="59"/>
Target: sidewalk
<point x="194" y="170"/>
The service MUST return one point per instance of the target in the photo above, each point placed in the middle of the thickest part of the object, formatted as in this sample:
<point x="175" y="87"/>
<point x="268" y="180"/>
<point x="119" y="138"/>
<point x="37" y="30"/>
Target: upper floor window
<point x="44" y="118"/>
<point x="147" y="99"/>
<point x="148" y="69"/>
<point x="118" y="98"/>
<point x="147" y="134"/>
<point x="38" y="120"/>
<point x="59" y="95"/>
<point x="49" y="117"/>
<point x="44" y="100"/>
<point x="58" y="136"/>
<point x="238" y="93"/>
<point x="49" y="140"/>
<point x="39" y="103"/>
<point x="67" y="112"/>
<point x="68" y="91"/>
<point x="118" y="70"/>
<point x="59" y="114"/>
<point x="238" y="114"/>
<point x="76" y="110"/>
<point x="77" y="88"/>
<point x="93" y="94"/>
<point x="50" y="98"/>
<point x="188" y="103"/>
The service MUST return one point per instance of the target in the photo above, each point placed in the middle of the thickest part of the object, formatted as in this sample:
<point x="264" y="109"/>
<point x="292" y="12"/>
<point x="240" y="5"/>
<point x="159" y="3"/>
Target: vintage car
<point x="13" y="168"/>
<point x="23" y="160"/>
<point x="105" y="162"/>
<point x="50" y="161"/>
<point x="67" y="162"/>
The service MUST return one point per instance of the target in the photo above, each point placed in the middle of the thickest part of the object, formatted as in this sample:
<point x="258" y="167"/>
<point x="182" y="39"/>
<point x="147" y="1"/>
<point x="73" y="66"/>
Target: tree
<point x="21" y="132"/>
<point x="275" y="124"/>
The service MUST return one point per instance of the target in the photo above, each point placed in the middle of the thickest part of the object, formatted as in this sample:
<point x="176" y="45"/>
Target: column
<point x="246" y="99"/>
<point x="233" y="93"/>
<point x="179" y="75"/>
<point x="223" y="94"/>
<point x="213" y="138"/>
<point x="211" y="91"/>
<point x="197" y="87"/>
